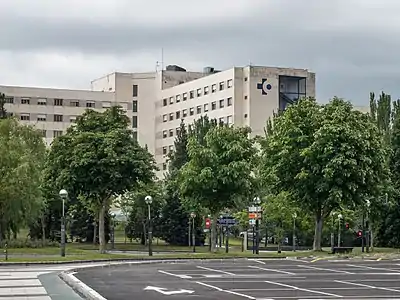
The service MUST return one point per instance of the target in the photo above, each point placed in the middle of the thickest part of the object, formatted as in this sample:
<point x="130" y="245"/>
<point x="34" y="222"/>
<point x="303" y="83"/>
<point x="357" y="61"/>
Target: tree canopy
<point x="97" y="159"/>
<point x="327" y="157"/>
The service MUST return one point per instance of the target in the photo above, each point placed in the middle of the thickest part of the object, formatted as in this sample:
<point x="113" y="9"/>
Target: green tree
<point x="23" y="151"/>
<point x="3" y="112"/>
<point x="97" y="159"/>
<point x="326" y="157"/>
<point x="218" y="174"/>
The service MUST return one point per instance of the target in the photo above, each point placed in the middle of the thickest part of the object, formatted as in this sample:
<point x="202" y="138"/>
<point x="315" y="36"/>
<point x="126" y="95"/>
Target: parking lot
<point x="248" y="279"/>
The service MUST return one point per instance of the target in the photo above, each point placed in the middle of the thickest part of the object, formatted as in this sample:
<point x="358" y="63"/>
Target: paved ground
<point x="35" y="283"/>
<point x="247" y="279"/>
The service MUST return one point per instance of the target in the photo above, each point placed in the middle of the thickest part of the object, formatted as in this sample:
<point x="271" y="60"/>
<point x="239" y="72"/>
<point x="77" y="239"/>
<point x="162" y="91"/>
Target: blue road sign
<point x="227" y="221"/>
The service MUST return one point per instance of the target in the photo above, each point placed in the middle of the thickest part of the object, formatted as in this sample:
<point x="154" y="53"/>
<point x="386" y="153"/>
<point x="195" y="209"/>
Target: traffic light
<point x="359" y="233"/>
<point x="347" y="226"/>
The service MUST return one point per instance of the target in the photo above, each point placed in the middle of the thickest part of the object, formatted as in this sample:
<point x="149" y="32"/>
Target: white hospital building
<point x="156" y="102"/>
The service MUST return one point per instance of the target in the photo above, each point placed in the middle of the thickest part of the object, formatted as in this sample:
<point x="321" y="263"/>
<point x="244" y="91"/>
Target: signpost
<point x="255" y="215"/>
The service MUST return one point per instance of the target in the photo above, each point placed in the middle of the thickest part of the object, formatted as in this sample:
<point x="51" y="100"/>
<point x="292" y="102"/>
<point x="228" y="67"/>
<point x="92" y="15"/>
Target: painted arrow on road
<point x="165" y="292"/>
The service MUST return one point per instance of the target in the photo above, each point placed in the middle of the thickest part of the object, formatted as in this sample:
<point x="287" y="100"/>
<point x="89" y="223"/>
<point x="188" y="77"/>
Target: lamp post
<point x="193" y="215"/>
<point x="63" y="195"/>
<point x="294" y="231"/>
<point x="257" y="202"/>
<point x="367" y="203"/>
<point x="149" y="200"/>
<point x="340" y="216"/>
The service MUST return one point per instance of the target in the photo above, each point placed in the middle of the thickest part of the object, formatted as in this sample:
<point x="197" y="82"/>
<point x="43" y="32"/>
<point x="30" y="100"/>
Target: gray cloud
<point x="349" y="44"/>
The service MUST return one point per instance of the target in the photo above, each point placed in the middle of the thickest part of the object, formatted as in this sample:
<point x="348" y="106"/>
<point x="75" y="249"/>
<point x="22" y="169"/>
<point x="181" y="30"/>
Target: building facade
<point x="156" y="102"/>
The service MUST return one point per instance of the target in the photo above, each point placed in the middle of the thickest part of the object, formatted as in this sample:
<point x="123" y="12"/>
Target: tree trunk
<point x="43" y="224"/>
<point x="102" y="233"/>
<point x="214" y="232"/>
<point x="318" y="232"/>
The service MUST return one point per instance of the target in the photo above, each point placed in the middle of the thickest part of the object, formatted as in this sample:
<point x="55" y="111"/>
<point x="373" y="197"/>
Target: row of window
<point x="198" y="93"/>
<point x="171" y="132"/>
<point x="43" y="118"/>
<point x="73" y="103"/>
<point x="199" y="109"/>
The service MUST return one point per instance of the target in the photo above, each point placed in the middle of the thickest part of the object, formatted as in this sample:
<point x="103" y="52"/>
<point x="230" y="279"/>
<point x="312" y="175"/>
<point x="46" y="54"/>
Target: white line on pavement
<point x="324" y="269"/>
<point x="170" y="274"/>
<point x="227" y="291"/>
<point x="368" y="286"/>
<point x="214" y="270"/>
<point x="304" y="290"/>
<point x="372" y="268"/>
<point x="273" y="270"/>
<point x="257" y="261"/>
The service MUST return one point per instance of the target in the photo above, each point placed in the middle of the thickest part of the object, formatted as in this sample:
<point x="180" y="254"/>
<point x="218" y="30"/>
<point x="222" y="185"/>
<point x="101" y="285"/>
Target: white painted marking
<point x="368" y="286"/>
<point x="168" y="293"/>
<point x="20" y="282"/>
<point x="227" y="291"/>
<point x="214" y="270"/>
<point x="324" y="269"/>
<point x="373" y="268"/>
<point x="272" y="270"/>
<point x="89" y="290"/>
<point x="175" y="275"/>
<point x="21" y="291"/>
<point x="257" y="261"/>
<point x="304" y="290"/>
<point x="212" y="276"/>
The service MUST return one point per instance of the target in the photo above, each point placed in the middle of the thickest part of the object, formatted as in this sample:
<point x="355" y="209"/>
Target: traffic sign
<point x="255" y="215"/>
<point x="208" y="223"/>
<point x="255" y="209"/>
<point x="227" y="221"/>
<point x="252" y="222"/>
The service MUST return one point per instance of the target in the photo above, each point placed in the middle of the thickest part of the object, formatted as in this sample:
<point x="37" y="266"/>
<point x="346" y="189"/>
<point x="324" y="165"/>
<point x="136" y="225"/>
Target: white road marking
<point x="272" y="270"/>
<point x="214" y="270"/>
<point x="257" y="260"/>
<point x="212" y="276"/>
<point x="368" y="286"/>
<point x="168" y="293"/>
<point x="304" y="290"/>
<point x="324" y="269"/>
<point x="373" y="268"/>
<point x="175" y="275"/>
<point x="227" y="291"/>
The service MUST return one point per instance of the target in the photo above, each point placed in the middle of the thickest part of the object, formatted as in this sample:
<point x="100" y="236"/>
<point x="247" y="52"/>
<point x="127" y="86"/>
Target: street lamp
<point x="294" y="231"/>
<point x="63" y="195"/>
<point x="149" y="200"/>
<point x="257" y="202"/>
<point x="193" y="215"/>
<point x="332" y="231"/>
<point x="366" y="227"/>
<point x="340" y="216"/>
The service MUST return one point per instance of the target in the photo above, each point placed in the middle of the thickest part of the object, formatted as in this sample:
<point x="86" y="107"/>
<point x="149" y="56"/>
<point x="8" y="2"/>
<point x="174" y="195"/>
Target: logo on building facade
<point x="264" y="86"/>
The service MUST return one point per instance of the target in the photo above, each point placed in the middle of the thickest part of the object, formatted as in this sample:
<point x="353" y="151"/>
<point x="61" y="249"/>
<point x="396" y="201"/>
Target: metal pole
<point x="367" y="234"/>
<point x="257" y="237"/>
<point x="227" y="239"/>
<point x="363" y="231"/>
<point x="63" y="229"/>
<point x="254" y="248"/>
<point x="339" y="234"/>
<point x="333" y="235"/>
<point x="189" y="234"/>
<point x="150" y="234"/>
<point x="221" y="234"/>
<point x="294" y="234"/>
<point x="194" y="237"/>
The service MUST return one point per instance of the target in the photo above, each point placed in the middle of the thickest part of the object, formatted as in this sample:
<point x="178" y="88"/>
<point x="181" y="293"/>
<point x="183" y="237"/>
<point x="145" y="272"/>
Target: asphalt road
<point x="247" y="279"/>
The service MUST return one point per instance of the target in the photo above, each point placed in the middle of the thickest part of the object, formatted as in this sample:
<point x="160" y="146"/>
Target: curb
<point x="80" y="288"/>
<point x="144" y="259"/>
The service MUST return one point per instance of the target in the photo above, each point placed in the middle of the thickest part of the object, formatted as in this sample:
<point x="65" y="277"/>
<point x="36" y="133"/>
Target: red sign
<point x="208" y="223"/>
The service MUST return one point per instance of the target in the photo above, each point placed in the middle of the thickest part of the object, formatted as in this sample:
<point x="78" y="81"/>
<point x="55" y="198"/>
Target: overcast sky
<point x="352" y="45"/>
